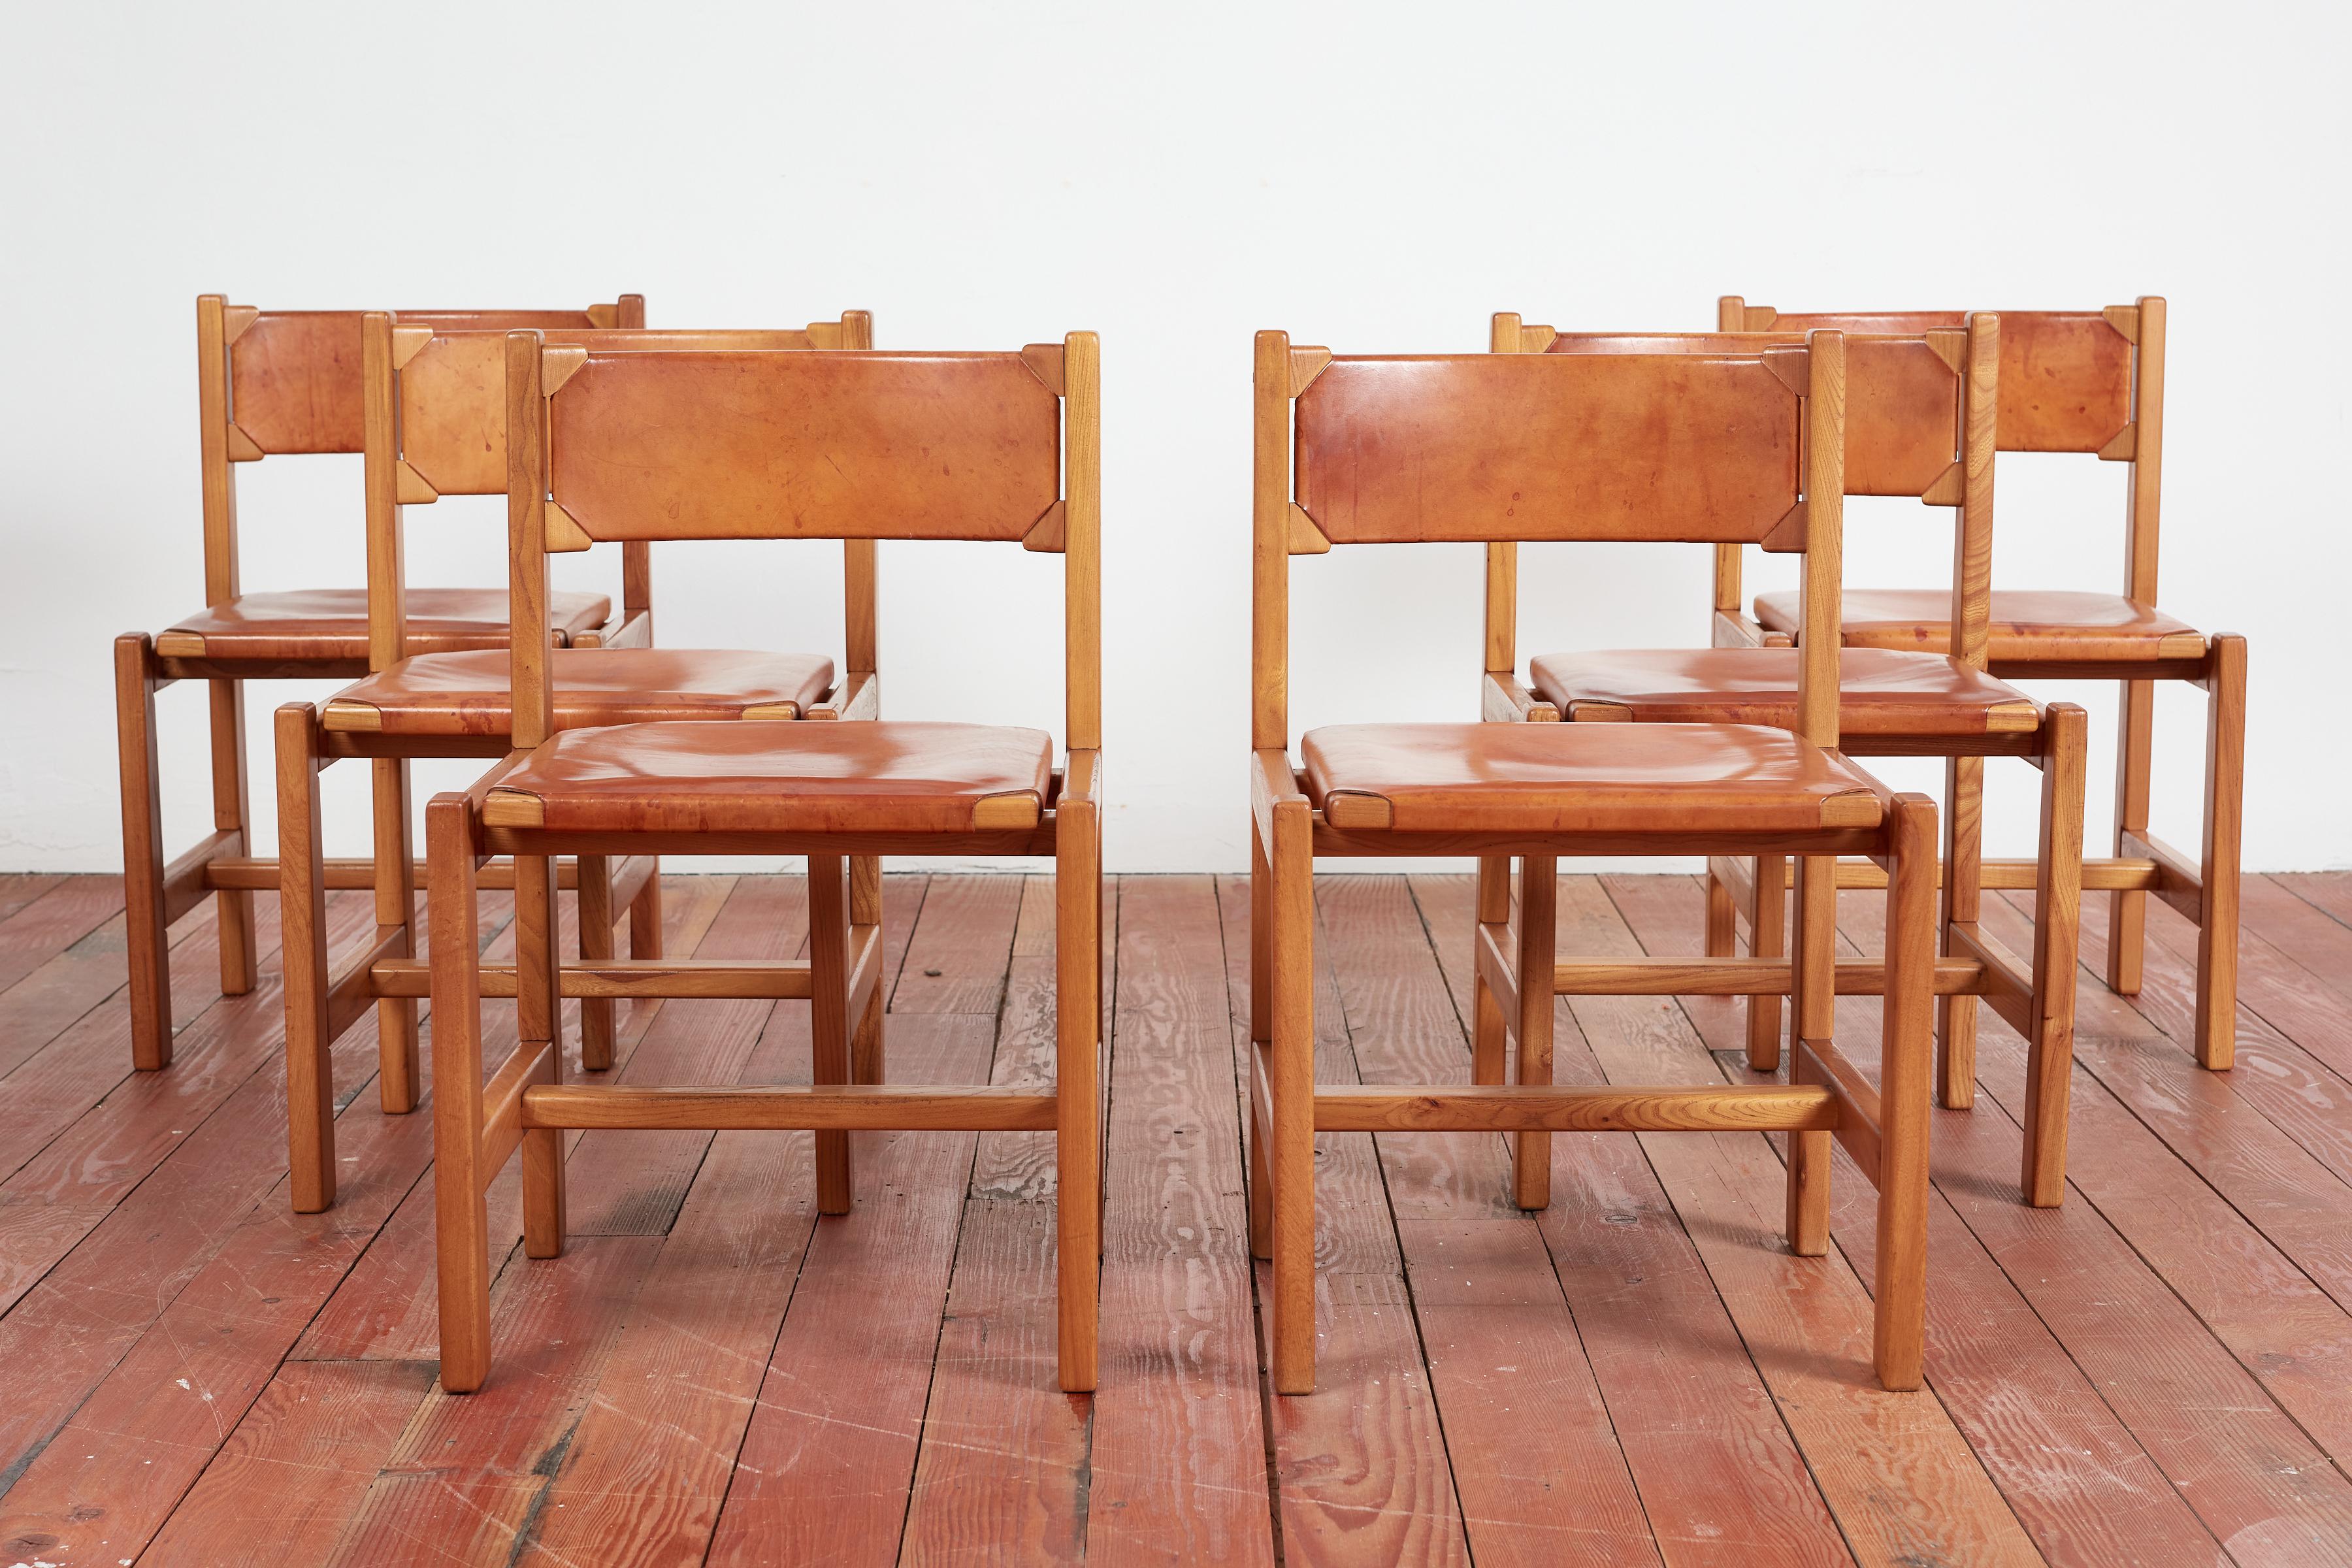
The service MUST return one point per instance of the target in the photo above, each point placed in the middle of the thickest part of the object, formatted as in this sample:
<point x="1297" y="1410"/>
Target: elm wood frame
<point x="525" y="1106"/>
<point x="2204" y="887"/>
<point x="2036" y="998"/>
<point x="157" y="893"/>
<point x="1886" y="1130"/>
<point x="467" y="415"/>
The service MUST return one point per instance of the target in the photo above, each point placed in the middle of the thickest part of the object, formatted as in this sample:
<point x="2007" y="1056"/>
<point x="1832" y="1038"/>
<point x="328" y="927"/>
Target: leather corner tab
<point x="407" y="342"/>
<point x="1788" y="535"/>
<point x="2123" y="318"/>
<point x="564" y="533"/>
<point x="1854" y="808"/>
<point x="410" y="487"/>
<point x="557" y="364"/>
<point x="1345" y="809"/>
<point x="1306" y="537"/>
<point x="1951" y="346"/>
<point x="512" y="808"/>
<point x="1950" y="488"/>
<point x="235" y="319"/>
<point x="242" y="448"/>
<point x="1050" y="533"/>
<point x="1792" y="364"/>
<point x="2122" y="447"/>
<point x="1044" y="363"/>
<point x="998" y="811"/>
<point x="1306" y="364"/>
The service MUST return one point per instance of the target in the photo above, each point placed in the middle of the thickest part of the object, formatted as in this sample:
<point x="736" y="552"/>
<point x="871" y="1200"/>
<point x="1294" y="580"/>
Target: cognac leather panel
<point x="1881" y="693"/>
<point x="1901" y="401"/>
<point x="1511" y="447"/>
<point x="453" y="408"/>
<point x="2027" y="625"/>
<point x="330" y="625"/>
<point x="294" y="377"/>
<point x="470" y="694"/>
<point x="2065" y="375"/>
<point x="861" y="776"/>
<point x="827" y="445"/>
<point x="1587" y="778"/>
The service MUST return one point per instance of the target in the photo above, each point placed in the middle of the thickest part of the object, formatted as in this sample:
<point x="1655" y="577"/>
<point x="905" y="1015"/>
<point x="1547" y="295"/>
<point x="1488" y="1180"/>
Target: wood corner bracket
<point x="410" y="487"/>
<point x="235" y="319"/>
<point x="564" y="534"/>
<point x="1306" y="364"/>
<point x="2122" y="447"/>
<point x="1793" y="365"/>
<point x="1050" y="533"/>
<point x="1306" y="537"/>
<point x="2123" y="318"/>
<point x="407" y="342"/>
<point x="1044" y="363"/>
<point x="556" y="366"/>
<point x="1951" y="346"/>
<point x="1950" y="488"/>
<point x="242" y="448"/>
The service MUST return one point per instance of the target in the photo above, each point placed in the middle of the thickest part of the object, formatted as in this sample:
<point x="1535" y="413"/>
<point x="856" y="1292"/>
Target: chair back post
<point x="636" y="555"/>
<point x="861" y="563"/>
<point x="1731" y="316"/>
<point x="387" y="588"/>
<point x="2147" y="449"/>
<point x="1817" y="659"/>
<point x="1972" y="539"/>
<point x="1502" y="555"/>
<point x="1270" y="547"/>
<point x="1082" y="542"/>
<point x="526" y="609"/>
<point x="212" y="421"/>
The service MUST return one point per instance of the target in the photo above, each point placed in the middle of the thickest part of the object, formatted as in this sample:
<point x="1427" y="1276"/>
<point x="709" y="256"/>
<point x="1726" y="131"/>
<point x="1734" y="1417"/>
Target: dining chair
<point x="2089" y="382"/>
<point x="436" y="425"/>
<point x="270" y="384"/>
<point x="1919" y="425"/>
<point x="687" y="445"/>
<point x="1649" y="447"/>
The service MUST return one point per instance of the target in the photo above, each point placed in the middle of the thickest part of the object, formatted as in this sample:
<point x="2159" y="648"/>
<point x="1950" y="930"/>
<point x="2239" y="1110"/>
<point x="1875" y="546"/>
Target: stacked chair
<point x="2089" y="382"/>
<point x="1919" y="423"/>
<point x="273" y="384"/>
<point x="436" y="425"/>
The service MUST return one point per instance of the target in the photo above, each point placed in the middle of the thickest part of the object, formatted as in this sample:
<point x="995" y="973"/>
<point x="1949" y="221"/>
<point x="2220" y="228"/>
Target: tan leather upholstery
<point x="468" y="693"/>
<point x="326" y="625"/>
<point x="1582" y="778"/>
<point x="852" y="776"/>
<point x="1881" y="693"/>
<point x="2027" y="625"/>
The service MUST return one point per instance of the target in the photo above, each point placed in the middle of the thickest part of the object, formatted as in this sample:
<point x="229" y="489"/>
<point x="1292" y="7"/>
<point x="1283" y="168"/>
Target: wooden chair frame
<point x="320" y="1005"/>
<point x="1518" y="975"/>
<point x="2205" y="886"/>
<point x="157" y="893"/>
<point x="527" y="1107"/>
<point x="2035" y="997"/>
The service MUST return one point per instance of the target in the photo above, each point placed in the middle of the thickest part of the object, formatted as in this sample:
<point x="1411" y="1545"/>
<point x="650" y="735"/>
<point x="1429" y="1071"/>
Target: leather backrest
<point x="294" y="377"/>
<point x="797" y="444"/>
<point x="1701" y="448"/>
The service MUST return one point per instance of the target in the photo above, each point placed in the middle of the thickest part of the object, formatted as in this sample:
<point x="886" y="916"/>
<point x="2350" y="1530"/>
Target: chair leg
<point x="1768" y="932"/>
<point x="538" y="963"/>
<point x="1722" y="918"/>
<point x="1813" y="1007"/>
<point x="1956" y="1016"/>
<point x="1899" y="1293"/>
<point x="867" y="1062"/>
<point x="596" y="916"/>
<point x="2225" y="782"/>
<point x="1538" y="960"/>
<point x="399" y="1084"/>
<point x="2127" y="908"/>
<point x="239" y="958"/>
<point x="2057" y="940"/>
<point x="1078" y="1130"/>
<point x="461" y="1218"/>
<point x="829" y="1018"/>
<point x="1290" y="1074"/>
<point x="646" y="917"/>
<point x="1261" y="1006"/>
<point x="302" y="922"/>
<point x="146" y="940"/>
<point x="1490" y="1031"/>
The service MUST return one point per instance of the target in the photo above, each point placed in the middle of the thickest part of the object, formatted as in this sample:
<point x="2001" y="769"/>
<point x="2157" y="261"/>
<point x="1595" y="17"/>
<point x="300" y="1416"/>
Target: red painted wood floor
<point x="2158" y="1373"/>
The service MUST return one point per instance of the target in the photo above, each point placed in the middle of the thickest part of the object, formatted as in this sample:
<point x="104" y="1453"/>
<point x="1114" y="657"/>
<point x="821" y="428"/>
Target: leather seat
<point x="326" y="625"/>
<point x="853" y="776"/>
<point x="468" y="693"/>
<point x="1881" y="693"/>
<point x="2028" y="626"/>
<point x="1582" y="778"/>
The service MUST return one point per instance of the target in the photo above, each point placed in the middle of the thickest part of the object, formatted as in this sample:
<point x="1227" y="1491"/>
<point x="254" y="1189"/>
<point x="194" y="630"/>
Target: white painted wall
<point x="1373" y="178"/>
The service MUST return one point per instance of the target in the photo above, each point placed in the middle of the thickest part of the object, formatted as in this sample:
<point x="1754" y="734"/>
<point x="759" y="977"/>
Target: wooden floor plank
<point x="956" y="962"/>
<point x="61" y="915"/>
<point x="18" y="888"/>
